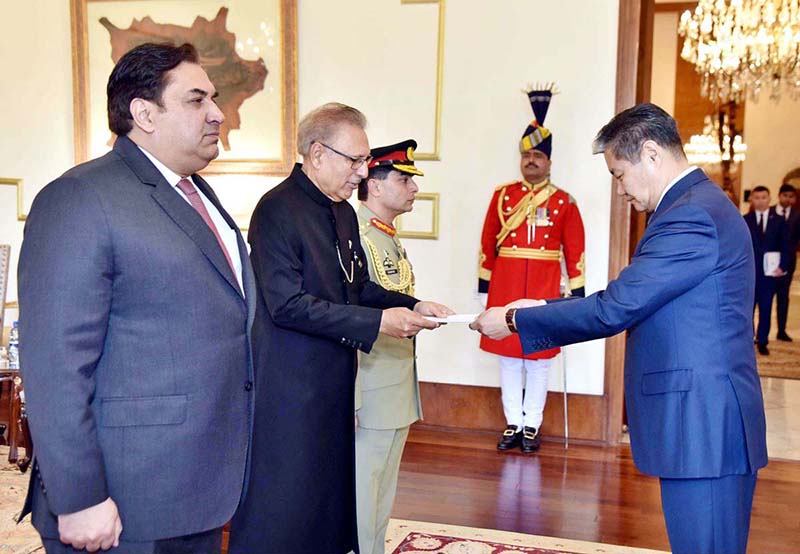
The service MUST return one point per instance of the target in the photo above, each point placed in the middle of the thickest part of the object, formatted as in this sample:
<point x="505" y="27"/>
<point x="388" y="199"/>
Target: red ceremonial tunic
<point x="525" y="235"/>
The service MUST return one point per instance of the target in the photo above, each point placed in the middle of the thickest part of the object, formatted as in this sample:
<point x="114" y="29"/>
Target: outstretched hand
<point x="492" y="323"/>
<point x="525" y="303"/>
<point x="402" y="323"/>
<point x="433" y="309"/>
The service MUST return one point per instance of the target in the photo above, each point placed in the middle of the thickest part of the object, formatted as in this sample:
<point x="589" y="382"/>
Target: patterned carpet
<point x="783" y="360"/>
<point x="784" y="357"/>
<point x="14" y="539"/>
<point x="415" y="537"/>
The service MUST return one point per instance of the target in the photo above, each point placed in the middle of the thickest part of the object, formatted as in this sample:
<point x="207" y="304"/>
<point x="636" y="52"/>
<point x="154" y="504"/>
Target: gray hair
<point x="322" y="123"/>
<point x="627" y="131"/>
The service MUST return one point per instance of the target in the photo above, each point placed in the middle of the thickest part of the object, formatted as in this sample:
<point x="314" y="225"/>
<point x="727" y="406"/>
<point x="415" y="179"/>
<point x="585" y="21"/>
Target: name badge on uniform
<point x="542" y="217"/>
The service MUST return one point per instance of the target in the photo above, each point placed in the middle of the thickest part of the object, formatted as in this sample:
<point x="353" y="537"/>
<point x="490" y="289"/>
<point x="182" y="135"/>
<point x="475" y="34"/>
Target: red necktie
<point x="187" y="188"/>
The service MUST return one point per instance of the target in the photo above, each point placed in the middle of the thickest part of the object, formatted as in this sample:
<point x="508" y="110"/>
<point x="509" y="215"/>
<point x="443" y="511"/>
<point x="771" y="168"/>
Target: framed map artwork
<point x="247" y="47"/>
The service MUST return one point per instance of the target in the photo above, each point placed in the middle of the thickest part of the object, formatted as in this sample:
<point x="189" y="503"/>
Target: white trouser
<point x="517" y="374"/>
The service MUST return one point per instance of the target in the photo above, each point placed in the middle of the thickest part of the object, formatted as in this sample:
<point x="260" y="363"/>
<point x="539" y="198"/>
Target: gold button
<point x="524" y="189"/>
<point x="541" y="248"/>
<point x="508" y="209"/>
<point x="507" y="197"/>
<point x="514" y="247"/>
<point x="513" y="235"/>
<point x="555" y="211"/>
<point x="547" y="236"/>
<point x="561" y="201"/>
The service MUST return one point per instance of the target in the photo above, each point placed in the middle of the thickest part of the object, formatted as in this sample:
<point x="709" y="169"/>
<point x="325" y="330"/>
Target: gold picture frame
<point x="5" y="263"/>
<point x="275" y="135"/>
<point x="21" y="216"/>
<point x="423" y="221"/>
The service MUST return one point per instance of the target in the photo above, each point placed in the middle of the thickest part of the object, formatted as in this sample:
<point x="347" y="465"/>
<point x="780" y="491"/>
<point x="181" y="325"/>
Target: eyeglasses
<point x="355" y="162"/>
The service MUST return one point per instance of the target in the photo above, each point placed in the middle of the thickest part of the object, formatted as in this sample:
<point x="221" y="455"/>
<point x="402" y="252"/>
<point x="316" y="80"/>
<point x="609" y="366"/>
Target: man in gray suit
<point x="136" y="303"/>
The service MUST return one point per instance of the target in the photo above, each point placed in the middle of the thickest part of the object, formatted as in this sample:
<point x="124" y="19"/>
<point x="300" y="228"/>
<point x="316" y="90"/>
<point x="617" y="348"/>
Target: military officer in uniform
<point x="530" y="227"/>
<point x="387" y="390"/>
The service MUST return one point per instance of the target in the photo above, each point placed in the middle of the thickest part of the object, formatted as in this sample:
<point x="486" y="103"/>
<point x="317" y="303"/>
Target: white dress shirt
<point x="226" y="233"/>
<point x="672" y="183"/>
<point x="761" y="217"/>
<point x="783" y="212"/>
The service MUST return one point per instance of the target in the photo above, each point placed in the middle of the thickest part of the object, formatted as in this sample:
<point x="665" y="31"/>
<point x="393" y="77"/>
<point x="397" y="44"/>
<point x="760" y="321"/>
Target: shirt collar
<point x="299" y="177"/>
<point x="674" y="182"/>
<point x="372" y="218"/>
<point x="171" y="177"/>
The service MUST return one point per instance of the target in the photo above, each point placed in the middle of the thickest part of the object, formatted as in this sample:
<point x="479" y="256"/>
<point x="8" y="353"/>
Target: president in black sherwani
<point x="317" y="307"/>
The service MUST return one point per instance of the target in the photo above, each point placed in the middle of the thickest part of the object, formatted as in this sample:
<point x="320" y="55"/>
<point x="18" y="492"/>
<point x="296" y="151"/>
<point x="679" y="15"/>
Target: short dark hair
<point x="378" y="172"/>
<point x="142" y="73"/>
<point x="624" y="135"/>
<point x="759" y="188"/>
<point x="786" y="187"/>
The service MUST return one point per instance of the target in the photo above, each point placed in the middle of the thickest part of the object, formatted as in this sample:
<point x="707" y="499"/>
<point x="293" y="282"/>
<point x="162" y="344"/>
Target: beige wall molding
<point x="426" y="228"/>
<point x="437" y="124"/>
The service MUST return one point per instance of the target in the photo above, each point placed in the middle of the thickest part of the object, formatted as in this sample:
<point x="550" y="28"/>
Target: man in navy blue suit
<point x="768" y="233"/>
<point x="695" y="409"/>
<point x="785" y="209"/>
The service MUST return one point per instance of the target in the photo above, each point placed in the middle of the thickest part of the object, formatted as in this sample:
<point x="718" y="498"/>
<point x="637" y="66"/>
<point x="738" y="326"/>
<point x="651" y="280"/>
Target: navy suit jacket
<point x="773" y="239"/>
<point x="792" y="236"/>
<point x="135" y="351"/>
<point x="693" y="395"/>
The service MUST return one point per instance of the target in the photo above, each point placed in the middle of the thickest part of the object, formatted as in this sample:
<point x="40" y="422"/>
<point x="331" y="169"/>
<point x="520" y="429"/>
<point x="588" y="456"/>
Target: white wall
<point x="36" y="100"/>
<point x="381" y="57"/>
<point x="665" y="45"/>
<point x="773" y="142"/>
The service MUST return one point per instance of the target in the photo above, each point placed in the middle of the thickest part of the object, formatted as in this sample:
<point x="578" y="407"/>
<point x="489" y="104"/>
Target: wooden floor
<point x="587" y="492"/>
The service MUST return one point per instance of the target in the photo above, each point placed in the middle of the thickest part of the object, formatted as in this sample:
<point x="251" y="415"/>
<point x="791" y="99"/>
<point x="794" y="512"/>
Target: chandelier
<point x="741" y="46"/>
<point x="707" y="149"/>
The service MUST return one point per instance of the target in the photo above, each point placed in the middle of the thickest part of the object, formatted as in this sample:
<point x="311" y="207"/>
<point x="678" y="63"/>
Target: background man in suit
<point x="693" y="396"/>
<point x="136" y="301"/>
<point x="316" y="310"/>
<point x="785" y="208"/>
<point x="387" y="389"/>
<point x="768" y="233"/>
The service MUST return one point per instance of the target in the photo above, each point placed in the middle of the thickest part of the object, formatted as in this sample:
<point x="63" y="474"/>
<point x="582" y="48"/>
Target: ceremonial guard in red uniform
<point x="531" y="226"/>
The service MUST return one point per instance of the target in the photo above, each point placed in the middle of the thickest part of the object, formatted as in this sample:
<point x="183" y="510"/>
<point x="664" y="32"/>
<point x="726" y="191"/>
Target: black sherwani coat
<point x="310" y="321"/>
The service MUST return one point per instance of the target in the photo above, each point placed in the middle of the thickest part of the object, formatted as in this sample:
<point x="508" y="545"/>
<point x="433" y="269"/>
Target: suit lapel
<point x="180" y="211"/>
<point x="677" y="190"/>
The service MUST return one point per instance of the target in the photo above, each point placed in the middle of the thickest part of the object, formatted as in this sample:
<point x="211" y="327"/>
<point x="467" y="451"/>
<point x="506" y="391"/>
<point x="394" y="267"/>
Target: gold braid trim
<point x="406" y="284"/>
<point x="520" y="212"/>
<point x="579" y="280"/>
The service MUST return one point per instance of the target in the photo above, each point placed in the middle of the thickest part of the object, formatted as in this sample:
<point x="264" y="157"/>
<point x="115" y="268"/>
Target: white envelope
<point x="457" y="318"/>
<point x="772" y="261"/>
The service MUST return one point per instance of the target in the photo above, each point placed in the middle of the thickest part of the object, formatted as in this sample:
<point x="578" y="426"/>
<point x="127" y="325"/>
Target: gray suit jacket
<point x="135" y="352"/>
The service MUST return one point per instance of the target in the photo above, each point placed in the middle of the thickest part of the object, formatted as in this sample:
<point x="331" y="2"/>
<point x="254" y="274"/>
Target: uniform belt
<point x="530" y="253"/>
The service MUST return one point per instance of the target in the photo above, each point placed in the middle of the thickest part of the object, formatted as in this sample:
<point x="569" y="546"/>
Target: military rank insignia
<point x="388" y="264"/>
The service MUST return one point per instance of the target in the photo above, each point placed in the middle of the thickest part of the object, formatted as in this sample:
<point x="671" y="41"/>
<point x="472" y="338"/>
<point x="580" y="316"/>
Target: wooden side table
<point x="19" y="434"/>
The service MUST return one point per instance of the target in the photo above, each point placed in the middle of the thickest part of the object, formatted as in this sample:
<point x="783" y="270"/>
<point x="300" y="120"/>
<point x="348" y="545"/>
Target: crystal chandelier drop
<point x="741" y="46"/>
<point x="708" y="149"/>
